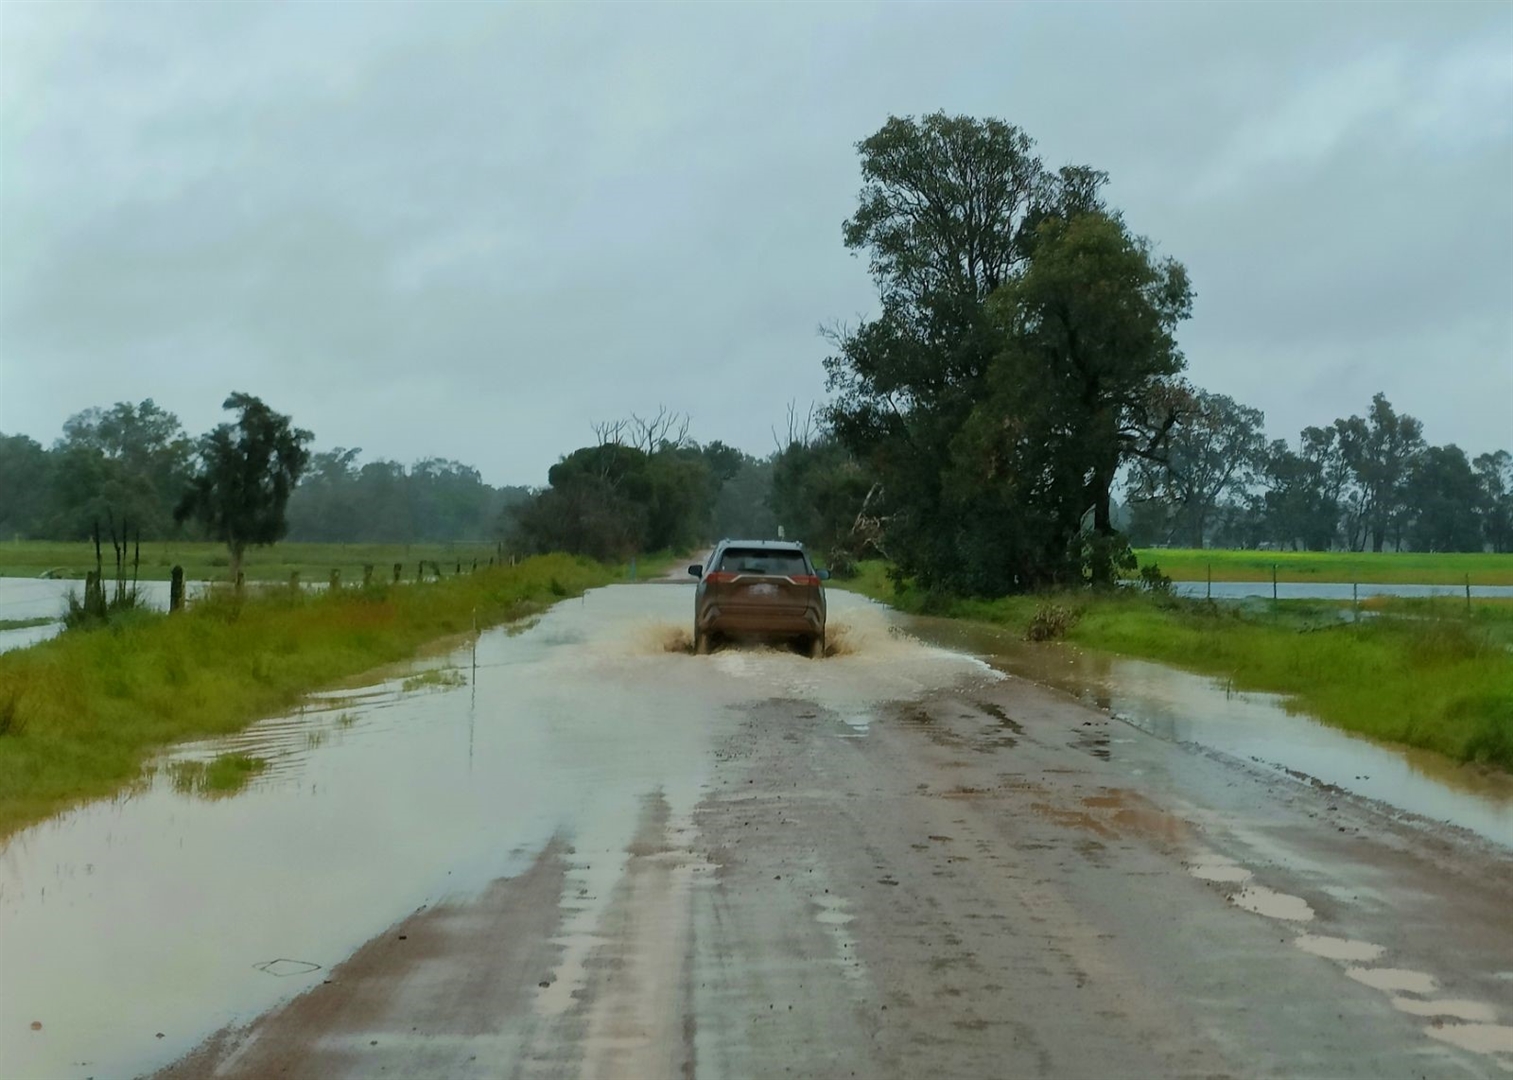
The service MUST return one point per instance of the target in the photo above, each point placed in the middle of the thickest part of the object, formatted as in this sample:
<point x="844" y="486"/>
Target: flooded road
<point x="1255" y="727"/>
<point x="593" y="854"/>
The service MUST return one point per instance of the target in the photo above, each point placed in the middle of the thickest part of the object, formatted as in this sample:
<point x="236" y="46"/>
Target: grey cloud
<point x="471" y="230"/>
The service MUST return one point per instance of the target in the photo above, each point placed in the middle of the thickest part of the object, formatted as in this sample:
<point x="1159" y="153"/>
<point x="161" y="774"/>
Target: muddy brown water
<point x="162" y="912"/>
<point x="132" y="929"/>
<point x="1182" y="707"/>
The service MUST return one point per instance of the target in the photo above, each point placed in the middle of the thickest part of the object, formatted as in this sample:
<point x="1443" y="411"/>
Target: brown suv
<point x="762" y="589"/>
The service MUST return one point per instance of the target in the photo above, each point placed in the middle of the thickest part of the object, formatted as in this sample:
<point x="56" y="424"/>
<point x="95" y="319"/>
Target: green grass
<point x="1402" y="568"/>
<point x="81" y="714"/>
<point x="435" y="679"/>
<point x="209" y="562"/>
<point x="1419" y="674"/>
<point x="22" y="624"/>
<point x="224" y="775"/>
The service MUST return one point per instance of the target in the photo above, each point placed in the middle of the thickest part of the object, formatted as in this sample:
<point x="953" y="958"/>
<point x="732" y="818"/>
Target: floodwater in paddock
<point x="132" y="928"/>
<point x="1182" y="707"/>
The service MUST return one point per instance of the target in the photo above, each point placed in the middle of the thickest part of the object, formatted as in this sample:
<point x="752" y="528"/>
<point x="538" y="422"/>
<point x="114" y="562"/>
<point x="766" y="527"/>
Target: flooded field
<point x="131" y="929"/>
<point x="1186" y="708"/>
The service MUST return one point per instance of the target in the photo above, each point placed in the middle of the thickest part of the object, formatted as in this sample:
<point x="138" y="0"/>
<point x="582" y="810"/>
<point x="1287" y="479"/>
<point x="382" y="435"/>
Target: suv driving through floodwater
<point x="759" y="589"/>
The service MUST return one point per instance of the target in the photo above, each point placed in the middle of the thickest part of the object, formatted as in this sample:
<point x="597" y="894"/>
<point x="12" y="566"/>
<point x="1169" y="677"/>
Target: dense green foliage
<point x="130" y="465"/>
<point x="434" y="500"/>
<point x="247" y="471"/>
<point x="1023" y="353"/>
<point x="82" y="713"/>
<point x="126" y="464"/>
<point x="1359" y="482"/>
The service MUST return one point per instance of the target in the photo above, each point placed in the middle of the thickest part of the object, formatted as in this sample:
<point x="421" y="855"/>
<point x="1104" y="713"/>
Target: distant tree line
<point x="643" y="486"/>
<point x="1021" y="370"/>
<point x="1362" y="481"/>
<point x="132" y="465"/>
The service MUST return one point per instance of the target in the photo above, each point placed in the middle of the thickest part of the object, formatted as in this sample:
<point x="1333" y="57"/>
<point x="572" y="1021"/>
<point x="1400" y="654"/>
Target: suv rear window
<point x="778" y="563"/>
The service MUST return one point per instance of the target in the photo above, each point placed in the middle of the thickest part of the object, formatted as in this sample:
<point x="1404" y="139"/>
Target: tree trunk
<point x="1103" y="525"/>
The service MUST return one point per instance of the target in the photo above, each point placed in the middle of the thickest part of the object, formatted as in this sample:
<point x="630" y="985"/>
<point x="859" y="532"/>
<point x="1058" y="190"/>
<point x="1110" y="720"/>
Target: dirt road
<point x="896" y="862"/>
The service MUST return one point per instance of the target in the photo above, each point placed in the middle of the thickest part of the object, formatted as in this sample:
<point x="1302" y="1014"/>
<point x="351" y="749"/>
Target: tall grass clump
<point x="89" y="707"/>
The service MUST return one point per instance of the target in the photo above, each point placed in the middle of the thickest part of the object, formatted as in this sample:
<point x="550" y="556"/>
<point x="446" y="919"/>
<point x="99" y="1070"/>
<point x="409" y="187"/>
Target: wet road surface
<point x="595" y="855"/>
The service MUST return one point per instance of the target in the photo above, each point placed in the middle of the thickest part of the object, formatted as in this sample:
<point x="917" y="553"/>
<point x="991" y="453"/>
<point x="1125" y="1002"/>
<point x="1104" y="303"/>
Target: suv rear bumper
<point x="763" y="621"/>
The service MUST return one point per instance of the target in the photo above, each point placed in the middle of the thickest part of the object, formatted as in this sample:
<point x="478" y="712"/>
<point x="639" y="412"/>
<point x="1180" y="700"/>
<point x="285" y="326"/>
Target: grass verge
<point x="1415" y="673"/>
<point x="1365" y="568"/>
<point x="82" y="713"/>
<point x="203" y="561"/>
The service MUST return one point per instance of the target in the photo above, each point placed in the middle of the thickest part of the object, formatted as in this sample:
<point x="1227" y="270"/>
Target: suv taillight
<point x="806" y="579"/>
<point x="719" y="577"/>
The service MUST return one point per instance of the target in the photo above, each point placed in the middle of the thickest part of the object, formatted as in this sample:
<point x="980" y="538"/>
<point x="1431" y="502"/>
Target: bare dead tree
<point x="868" y="529"/>
<point x="665" y="431"/>
<point x="803" y="428"/>
<point x="610" y="432"/>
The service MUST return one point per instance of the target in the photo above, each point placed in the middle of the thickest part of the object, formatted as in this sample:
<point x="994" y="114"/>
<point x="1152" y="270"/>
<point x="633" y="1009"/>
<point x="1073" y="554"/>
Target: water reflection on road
<point x="164" y="912"/>
<point x="1186" y="708"/>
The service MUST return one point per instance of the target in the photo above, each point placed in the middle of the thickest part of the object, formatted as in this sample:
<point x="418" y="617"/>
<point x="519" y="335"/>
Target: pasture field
<point x="207" y="561"/>
<point x="1361" y="567"/>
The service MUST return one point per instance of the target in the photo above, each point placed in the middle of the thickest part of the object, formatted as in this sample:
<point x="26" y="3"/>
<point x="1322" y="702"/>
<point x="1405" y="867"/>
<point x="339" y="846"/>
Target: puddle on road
<point x="1475" y="1011"/>
<point x="1395" y="979"/>
<point x="1273" y="904"/>
<point x="1479" y="1039"/>
<point x="152" y="912"/>
<point x="1182" y="707"/>
<point x="1343" y="949"/>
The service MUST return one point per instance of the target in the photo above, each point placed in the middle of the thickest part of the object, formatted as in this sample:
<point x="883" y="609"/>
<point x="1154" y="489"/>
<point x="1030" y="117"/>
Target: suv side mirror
<point x="823" y="575"/>
<point x="696" y="570"/>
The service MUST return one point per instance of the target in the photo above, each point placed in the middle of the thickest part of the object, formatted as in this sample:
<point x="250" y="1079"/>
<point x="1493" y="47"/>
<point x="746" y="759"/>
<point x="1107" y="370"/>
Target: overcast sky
<point x="471" y="230"/>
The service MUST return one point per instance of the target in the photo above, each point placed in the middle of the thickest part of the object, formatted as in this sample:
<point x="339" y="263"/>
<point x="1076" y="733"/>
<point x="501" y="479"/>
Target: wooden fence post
<point x="176" y="589"/>
<point x="294" y="581"/>
<point x="335" y="580"/>
<point x="1468" y="596"/>
<point x="367" y="574"/>
<point x="240" y="578"/>
<point x="398" y="567"/>
<point x="1273" y="582"/>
